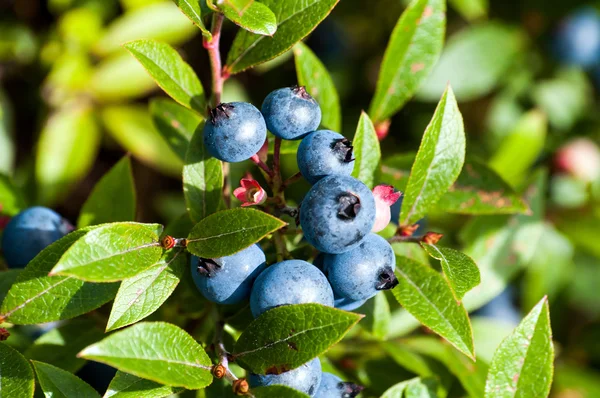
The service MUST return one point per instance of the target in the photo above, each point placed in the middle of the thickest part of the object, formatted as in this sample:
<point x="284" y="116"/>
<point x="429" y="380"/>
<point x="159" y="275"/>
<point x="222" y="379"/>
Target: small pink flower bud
<point x="580" y="158"/>
<point x="384" y="198"/>
<point x="250" y="193"/>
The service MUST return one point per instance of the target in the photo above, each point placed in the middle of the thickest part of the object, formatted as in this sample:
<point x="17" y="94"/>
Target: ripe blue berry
<point x="305" y="378"/>
<point x="348" y="304"/>
<point x="29" y="232"/>
<point x="228" y="280"/>
<point x="359" y="273"/>
<point x="577" y="40"/>
<point x="337" y="213"/>
<point x="333" y="387"/>
<point x="289" y="282"/>
<point x="291" y="113"/>
<point x="234" y="131"/>
<point x="323" y="153"/>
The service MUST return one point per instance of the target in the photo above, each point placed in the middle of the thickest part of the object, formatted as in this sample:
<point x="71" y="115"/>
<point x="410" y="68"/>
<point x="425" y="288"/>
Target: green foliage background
<point x="73" y="101"/>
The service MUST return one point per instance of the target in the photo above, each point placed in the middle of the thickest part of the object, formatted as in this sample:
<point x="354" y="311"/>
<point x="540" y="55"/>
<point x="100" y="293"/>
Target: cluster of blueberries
<point x="336" y="215"/>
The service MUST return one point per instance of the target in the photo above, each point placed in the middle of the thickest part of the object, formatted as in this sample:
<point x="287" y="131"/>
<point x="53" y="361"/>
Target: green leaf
<point x="377" y="316"/>
<point x="227" y="232"/>
<point x="120" y="77"/>
<point x="521" y="148"/>
<point x="111" y="252"/>
<point x="565" y="98"/>
<point x="141" y="295"/>
<point x="58" y="383"/>
<point x="474" y="61"/>
<point x="192" y="10"/>
<point x="10" y="196"/>
<point x="421" y="388"/>
<point x="124" y="385"/>
<point x="502" y="246"/>
<point x="59" y="346"/>
<point x="156" y="351"/>
<point x="16" y="376"/>
<point x="471" y="9"/>
<point x="438" y="163"/>
<point x="295" y="20"/>
<point x="413" y="50"/>
<point x="366" y="151"/>
<point x="7" y="279"/>
<point x="407" y="358"/>
<point x="99" y="208"/>
<point x="550" y="269"/>
<point x="131" y="126"/>
<point x="288" y="336"/>
<point x="170" y="71"/>
<point x="66" y="151"/>
<point x="523" y="364"/>
<point x="7" y="144"/>
<point x="175" y="123"/>
<point x="425" y="294"/>
<point x="239" y="6"/>
<point x="413" y="388"/>
<point x="202" y="179"/>
<point x="161" y="21"/>
<point x="395" y="170"/>
<point x="314" y="76"/>
<point x="277" y="391"/>
<point x="471" y="375"/>
<point x="480" y="190"/>
<point x="256" y="18"/>
<point x="460" y="270"/>
<point x="38" y="298"/>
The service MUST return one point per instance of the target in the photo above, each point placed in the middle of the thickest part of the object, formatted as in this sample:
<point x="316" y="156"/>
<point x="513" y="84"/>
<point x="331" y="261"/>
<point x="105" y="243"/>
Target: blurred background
<point x="526" y="74"/>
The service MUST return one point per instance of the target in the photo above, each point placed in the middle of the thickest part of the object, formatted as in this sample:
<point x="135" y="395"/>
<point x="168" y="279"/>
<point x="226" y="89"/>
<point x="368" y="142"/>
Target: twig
<point x="214" y="55"/>
<point x="262" y="165"/>
<point x="296" y="177"/>
<point x="222" y="369"/>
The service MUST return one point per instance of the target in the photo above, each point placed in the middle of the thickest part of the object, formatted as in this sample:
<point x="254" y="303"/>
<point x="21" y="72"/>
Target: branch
<point x="214" y="55"/>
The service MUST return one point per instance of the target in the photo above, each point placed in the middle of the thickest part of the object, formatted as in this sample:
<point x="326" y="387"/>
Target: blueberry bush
<point x="315" y="250"/>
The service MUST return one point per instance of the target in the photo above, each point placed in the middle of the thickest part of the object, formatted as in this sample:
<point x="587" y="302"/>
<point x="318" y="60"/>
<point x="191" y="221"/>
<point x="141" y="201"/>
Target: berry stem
<point x="296" y="177"/>
<point x="262" y="165"/>
<point x="222" y="354"/>
<point x="214" y="55"/>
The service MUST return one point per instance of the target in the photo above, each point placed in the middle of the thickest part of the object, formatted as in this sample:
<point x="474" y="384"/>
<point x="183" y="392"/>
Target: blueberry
<point x="577" y="40"/>
<point x="348" y="304"/>
<point x="333" y="387"/>
<point x="337" y="213"/>
<point x="289" y="282"/>
<point x="291" y="113"/>
<point x="359" y="273"/>
<point x="305" y="378"/>
<point x="234" y="132"/>
<point x="30" y="232"/>
<point x="228" y="280"/>
<point x="323" y="153"/>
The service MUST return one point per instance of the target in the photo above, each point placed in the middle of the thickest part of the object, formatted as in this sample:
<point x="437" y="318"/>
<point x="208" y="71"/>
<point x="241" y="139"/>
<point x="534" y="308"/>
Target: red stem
<point x="262" y="165"/>
<point x="214" y="55"/>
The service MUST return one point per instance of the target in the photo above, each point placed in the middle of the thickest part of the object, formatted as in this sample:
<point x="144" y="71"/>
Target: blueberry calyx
<point x="300" y="91"/>
<point x="387" y="280"/>
<point x="207" y="267"/>
<point x="220" y="111"/>
<point x="342" y="148"/>
<point x="349" y="390"/>
<point x="349" y="206"/>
